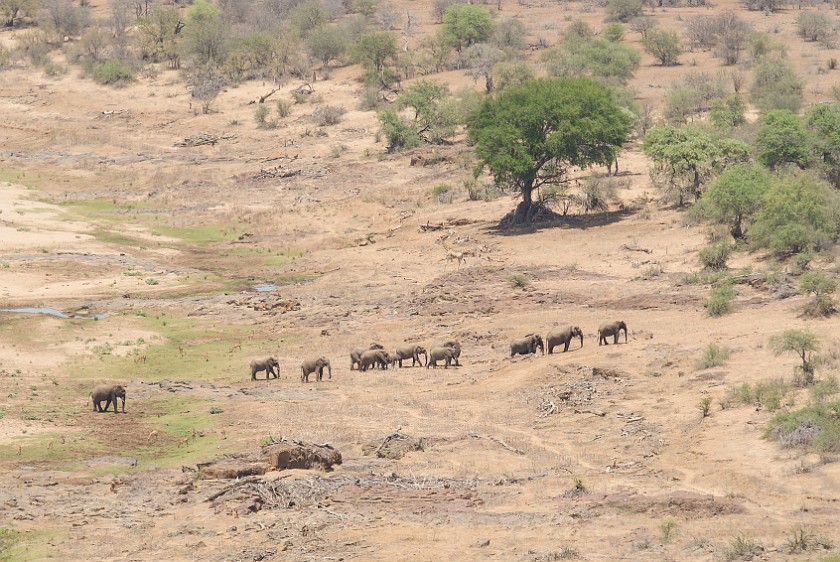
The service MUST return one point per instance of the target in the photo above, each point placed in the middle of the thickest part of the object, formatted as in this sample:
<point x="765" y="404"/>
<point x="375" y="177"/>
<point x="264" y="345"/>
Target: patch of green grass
<point x="201" y="235"/>
<point x="769" y="393"/>
<point x="16" y="546"/>
<point x="190" y="350"/>
<point x="713" y="355"/>
<point x="104" y="207"/>
<point x="27" y="180"/>
<point x="267" y="256"/>
<point x="518" y="281"/>
<point x="183" y="419"/>
<point x="110" y="237"/>
<point x="821" y="389"/>
<point x="720" y="299"/>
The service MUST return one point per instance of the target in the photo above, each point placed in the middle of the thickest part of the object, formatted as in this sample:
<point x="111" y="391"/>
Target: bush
<point x="664" y="45"/>
<point x="328" y="115"/>
<point x="816" y="427"/>
<point x="284" y="108"/>
<point x="728" y="112"/>
<point x="713" y="356"/>
<point x="720" y="299"/>
<point x="624" y="10"/>
<point x="776" y="85"/>
<point x="261" y="116"/>
<point x="113" y="73"/>
<point x="714" y="257"/>
<point x="768" y="393"/>
<point x="821" y="286"/>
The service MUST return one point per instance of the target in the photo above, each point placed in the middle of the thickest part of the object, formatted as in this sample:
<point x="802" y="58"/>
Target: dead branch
<point x="496" y="440"/>
<point x="636" y="249"/>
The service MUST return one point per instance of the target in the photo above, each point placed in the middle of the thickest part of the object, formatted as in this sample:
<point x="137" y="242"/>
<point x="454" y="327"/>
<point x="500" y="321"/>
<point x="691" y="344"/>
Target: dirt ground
<point x="157" y="252"/>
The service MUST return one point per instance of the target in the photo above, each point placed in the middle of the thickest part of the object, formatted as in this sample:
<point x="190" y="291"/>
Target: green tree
<point x="159" y="34"/>
<point x="529" y="136"/>
<point x="480" y="59"/>
<point x="465" y="24"/>
<point x="775" y="85"/>
<point x="374" y="51"/>
<point x="782" y="139"/>
<point x="686" y="158"/>
<point x="664" y="45"/>
<point x="509" y="35"/>
<point x="823" y="121"/>
<point x="614" y="33"/>
<point x="728" y="112"/>
<point x="205" y="34"/>
<point x="328" y="43"/>
<point x="433" y="117"/>
<point x="799" y="212"/>
<point x="802" y="342"/>
<point x="735" y="197"/>
<point x="508" y="74"/>
<point x="597" y="58"/>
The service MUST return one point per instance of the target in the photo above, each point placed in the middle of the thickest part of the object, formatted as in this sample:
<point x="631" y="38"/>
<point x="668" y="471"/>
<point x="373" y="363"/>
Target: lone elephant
<point x="526" y="345"/>
<point x="563" y="336"/>
<point x="611" y="329"/>
<point x="108" y="393"/>
<point x="268" y="365"/>
<point x="456" y="350"/>
<point x="315" y="366"/>
<point x="441" y="354"/>
<point x="356" y="354"/>
<point x="374" y="358"/>
<point x="412" y="352"/>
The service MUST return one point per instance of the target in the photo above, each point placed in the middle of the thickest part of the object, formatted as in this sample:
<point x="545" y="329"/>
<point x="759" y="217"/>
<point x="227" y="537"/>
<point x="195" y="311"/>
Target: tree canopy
<point x="466" y="24"/>
<point x="736" y="195"/>
<point x="685" y="158"/>
<point x="782" y="139"/>
<point x="530" y="135"/>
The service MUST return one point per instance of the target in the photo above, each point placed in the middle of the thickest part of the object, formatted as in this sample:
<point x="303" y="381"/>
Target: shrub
<point x="261" y="116"/>
<point x="728" y="112"/>
<point x="518" y="281"/>
<point x="664" y="45"/>
<point x="714" y="257"/>
<point x="284" y="108"/>
<point x="742" y="547"/>
<point x="713" y="356"/>
<point x="824" y="388"/>
<point x="821" y="286"/>
<point x="720" y="299"/>
<point x="328" y="115"/>
<point x="624" y="10"/>
<point x="704" y="405"/>
<point x="614" y="32"/>
<point x="776" y="85"/>
<point x="113" y="73"/>
<point x="816" y="427"/>
<point x="769" y="393"/>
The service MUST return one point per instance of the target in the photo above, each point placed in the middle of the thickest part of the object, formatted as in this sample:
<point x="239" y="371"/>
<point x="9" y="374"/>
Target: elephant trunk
<point x="123" y="402"/>
<point x="329" y="371"/>
<point x="625" y="335"/>
<point x="581" y="339"/>
<point x="426" y="355"/>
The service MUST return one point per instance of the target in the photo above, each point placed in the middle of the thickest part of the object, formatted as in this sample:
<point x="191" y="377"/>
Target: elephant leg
<point x="566" y="346"/>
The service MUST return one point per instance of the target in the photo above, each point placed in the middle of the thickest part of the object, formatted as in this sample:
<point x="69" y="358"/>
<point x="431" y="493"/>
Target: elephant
<point x="315" y="366"/>
<point x="109" y="393"/>
<point x="526" y="345"/>
<point x="611" y="329"/>
<point x="456" y="350"/>
<point x="374" y="358"/>
<point x="563" y="335"/>
<point x="439" y="354"/>
<point x="356" y="354"/>
<point x="268" y="365"/>
<point x="412" y="352"/>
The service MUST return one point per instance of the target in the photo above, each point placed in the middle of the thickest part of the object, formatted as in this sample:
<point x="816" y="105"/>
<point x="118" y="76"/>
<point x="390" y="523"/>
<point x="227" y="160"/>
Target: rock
<point x="232" y="469"/>
<point x="287" y="456"/>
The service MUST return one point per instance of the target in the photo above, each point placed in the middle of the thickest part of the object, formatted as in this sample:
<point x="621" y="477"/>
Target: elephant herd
<point x="375" y="356"/>
<point x="564" y="336"/>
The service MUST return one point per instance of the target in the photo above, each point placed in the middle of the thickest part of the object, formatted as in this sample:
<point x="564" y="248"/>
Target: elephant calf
<point x="268" y="365"/>
<point x="440" y="354"/>
<point x="412" y="352"/>
<point x="527" y="345"/>
<point x="373" y="358"/>
<point x="611" y="329"/>
<point x="356" y="354"/>
<point x="110" y="393"/>
<point x="456" y="350"/>
<point x="563" y="336"/>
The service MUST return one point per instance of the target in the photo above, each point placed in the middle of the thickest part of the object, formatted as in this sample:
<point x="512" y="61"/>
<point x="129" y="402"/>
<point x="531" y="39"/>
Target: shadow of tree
<point x="552" y="220"/>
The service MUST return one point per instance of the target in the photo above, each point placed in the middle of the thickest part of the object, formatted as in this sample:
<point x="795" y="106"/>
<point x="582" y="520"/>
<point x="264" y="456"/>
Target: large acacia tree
<point x="531" y="135"/>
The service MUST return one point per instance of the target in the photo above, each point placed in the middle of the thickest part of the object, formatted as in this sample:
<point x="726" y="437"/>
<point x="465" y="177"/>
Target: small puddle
<point x="265" y="288"/>
<point x="54" y="312"/>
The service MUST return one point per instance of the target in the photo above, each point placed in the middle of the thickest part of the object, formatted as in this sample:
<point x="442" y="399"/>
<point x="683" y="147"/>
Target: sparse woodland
<point x="216" y="181"/>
